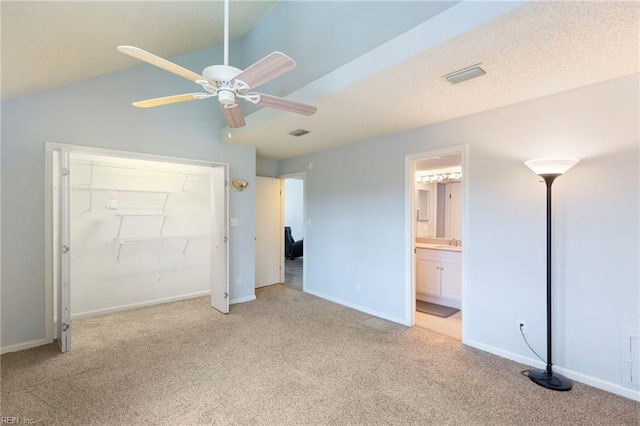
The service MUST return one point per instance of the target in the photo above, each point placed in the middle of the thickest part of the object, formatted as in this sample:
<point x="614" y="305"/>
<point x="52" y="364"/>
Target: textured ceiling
<point x="52" y="43"/>
<point x="538" y="49"/>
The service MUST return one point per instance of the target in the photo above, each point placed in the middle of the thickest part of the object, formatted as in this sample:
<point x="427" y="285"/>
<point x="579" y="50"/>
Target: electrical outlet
<point x="357" y="285"/>
<point x="238" y="282"/>
<point x="521" y="326"/>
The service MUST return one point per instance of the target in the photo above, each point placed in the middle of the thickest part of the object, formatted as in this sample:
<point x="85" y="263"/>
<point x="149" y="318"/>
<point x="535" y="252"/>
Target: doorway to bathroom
<point x="437" y="194"/>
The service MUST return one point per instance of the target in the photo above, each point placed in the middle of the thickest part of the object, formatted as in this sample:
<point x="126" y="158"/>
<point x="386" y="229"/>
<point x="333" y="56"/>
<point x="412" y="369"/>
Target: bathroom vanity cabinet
<point x="439" y="276"/>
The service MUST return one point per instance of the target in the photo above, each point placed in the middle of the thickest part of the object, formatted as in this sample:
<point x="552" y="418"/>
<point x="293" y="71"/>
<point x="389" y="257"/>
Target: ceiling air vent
<point x="299" y="132"/>
<point x="465" y="74"/>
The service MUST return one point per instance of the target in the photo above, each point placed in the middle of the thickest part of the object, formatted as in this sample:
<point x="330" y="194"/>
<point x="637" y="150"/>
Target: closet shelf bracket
<point x="187" y="240"/>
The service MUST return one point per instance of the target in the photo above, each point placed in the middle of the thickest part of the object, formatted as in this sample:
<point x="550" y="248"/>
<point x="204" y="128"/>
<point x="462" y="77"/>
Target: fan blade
<point x="170" y="100"/>
<point x="234" y="116"/>
<point x="285" y="104"/>
<point x="152" y="59"/>
<point x="271" y="66"/>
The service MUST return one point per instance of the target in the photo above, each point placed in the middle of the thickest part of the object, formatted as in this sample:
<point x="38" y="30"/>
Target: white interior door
<point x="269" y="231"/>
<point x="64" y="258"/>
<point x="219" y="241"/>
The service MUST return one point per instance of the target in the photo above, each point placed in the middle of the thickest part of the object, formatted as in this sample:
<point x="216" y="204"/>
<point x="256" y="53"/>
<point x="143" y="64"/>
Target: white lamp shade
<point x="551" y="166"/>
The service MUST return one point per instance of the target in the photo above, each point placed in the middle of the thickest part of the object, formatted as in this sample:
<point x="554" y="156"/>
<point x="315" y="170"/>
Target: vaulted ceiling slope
<point x="50" y="44"/>
<point x="47" y="44"/>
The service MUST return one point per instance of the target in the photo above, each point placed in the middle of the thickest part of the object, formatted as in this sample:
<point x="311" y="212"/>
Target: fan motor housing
<point x="220" y="73"/>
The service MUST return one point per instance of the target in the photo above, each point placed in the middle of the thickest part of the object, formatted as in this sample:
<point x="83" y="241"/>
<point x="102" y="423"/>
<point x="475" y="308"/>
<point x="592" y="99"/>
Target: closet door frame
<point x="53" y="255"/>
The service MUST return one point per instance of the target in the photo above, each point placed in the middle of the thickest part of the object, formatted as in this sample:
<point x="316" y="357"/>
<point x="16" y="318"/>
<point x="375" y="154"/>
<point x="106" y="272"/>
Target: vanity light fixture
<point x="440" y="177"/>
<point x="239" y="185"/>
<point x="549" y="169"/>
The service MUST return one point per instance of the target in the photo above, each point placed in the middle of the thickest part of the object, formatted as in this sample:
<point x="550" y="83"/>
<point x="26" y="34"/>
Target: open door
<point x="64" y="257"/>
<point x="269" y="231"/>
<point x="219" y="241"/>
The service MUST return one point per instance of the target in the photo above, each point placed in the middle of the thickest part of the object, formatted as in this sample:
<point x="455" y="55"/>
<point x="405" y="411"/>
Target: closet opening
<point x="130" y="231"/>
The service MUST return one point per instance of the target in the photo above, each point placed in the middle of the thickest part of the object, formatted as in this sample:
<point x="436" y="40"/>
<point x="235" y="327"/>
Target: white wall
<point x="96" y="113"/>
<point x="596" y="287"/>
<point x="294" y="207"/>
<point x="118" y="258"/>
<point x="266" y="167"/>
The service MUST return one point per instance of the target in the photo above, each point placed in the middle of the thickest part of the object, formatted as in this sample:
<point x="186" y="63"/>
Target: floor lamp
<point x="549" y="169"/>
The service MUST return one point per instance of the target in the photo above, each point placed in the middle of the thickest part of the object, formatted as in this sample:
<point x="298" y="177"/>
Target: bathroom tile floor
<point x="451" y="326"/>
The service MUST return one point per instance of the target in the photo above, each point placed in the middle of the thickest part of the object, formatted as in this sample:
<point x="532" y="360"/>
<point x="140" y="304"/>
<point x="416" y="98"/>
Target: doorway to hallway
<point x="294" y="230"/>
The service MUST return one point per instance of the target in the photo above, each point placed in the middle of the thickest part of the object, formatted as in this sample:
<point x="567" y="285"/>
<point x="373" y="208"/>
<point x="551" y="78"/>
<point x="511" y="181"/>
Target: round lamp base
<point x="553" y="381"/>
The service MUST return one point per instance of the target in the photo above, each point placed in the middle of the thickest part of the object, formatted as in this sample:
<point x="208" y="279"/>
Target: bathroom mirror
<point x="423" y="205"/>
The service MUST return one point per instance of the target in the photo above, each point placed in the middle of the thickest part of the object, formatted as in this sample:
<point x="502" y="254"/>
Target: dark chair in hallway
<point x="292" y="248"/>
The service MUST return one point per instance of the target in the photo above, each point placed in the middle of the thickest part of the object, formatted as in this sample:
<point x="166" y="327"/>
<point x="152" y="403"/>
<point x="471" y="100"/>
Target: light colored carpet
<point x="286" y="358"/>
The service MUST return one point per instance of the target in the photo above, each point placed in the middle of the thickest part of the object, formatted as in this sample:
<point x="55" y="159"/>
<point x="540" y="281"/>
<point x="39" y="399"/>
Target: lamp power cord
<point x="525" y="341"/>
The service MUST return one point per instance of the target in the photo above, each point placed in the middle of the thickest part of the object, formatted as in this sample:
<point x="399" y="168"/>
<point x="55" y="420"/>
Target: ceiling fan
<point x="226" y="82"/>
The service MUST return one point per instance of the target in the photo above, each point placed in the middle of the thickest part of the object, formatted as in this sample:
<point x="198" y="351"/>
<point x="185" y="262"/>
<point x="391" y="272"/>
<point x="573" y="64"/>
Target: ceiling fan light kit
<point x="227" y="98"/>
<point x="226" y="82"/>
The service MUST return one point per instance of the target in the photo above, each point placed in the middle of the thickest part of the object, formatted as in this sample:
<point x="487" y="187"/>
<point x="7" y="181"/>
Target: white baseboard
<point x="139" y="305"/>
<point x="574" y="375"/>
<point x="32" y="344"/>
<point x="242" y="299"/>
<point x="26" y="345"/>
<point x="531" y="362"/>
<point x="359" y="308"/>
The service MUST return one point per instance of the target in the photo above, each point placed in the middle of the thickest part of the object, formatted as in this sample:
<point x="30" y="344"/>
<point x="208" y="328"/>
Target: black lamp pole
<point x="547" y="377"/>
